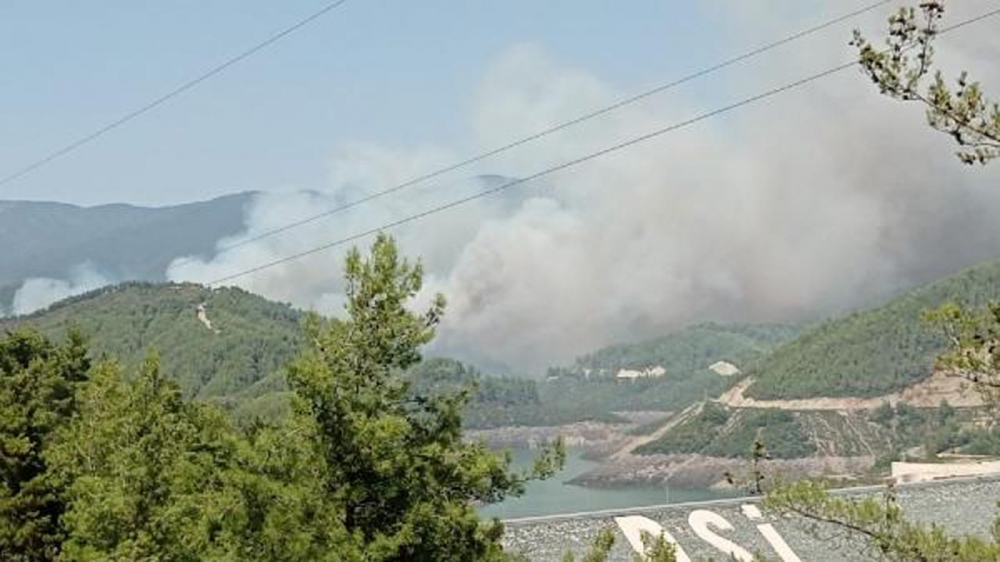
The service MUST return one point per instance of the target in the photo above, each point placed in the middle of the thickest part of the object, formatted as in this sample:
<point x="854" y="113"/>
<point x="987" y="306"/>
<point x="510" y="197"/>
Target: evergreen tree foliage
<point x="599" y="550"/>
<point x="395" y="463"/>
<point x="154" y="477"/>
<point x="38" y="388"/>
<point x="970" y="345"/>
<point x="251" y="339"/>
<point x="122" y="467"/>
<point x="720" y="432"/>
<point x="875" y="351"/>
<point x="901" y="71"/>
<point x="657" y="549"/>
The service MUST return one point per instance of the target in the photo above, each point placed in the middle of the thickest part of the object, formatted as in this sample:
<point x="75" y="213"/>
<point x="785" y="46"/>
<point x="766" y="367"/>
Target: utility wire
<point x="969" y="21"/>
<point x="571" y="163"/>
<point x="537" y="175"/>
<point x="546" y="132"/>
<point x="214" y="71"/>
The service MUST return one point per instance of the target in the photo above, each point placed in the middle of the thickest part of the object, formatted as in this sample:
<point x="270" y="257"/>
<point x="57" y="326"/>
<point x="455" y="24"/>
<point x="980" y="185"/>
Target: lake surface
<point x="554" y="496"/>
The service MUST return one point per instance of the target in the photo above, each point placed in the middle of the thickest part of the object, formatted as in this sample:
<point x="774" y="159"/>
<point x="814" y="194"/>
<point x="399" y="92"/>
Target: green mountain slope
<point x="871" y="352"/>
<point x="692" y="349"/>
<point x="720" y="432"/>
<point x="589" y="386"/>
<point x="494" y="401"/>
<point x="250" y="337"/>
<point x="120" y="241"/>
<point x="885" y="432"/>
<point x="239" y="361"/>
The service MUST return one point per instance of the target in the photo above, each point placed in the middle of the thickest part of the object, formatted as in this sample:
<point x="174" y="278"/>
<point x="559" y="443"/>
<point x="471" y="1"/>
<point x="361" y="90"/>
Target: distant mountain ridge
<point x="121" y="242"/>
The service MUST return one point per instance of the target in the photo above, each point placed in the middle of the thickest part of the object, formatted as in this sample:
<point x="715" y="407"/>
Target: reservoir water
<point x="555" y="496"/>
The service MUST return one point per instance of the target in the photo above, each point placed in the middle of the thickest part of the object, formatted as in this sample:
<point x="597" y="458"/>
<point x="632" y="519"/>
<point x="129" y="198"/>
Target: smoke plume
<point x="820" y="199"/>
<point x="39" y="292"/>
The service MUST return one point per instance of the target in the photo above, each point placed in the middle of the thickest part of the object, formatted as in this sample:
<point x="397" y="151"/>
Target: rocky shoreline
<point x="697" y="471"/>
<point x="595" y="439"/>
<point x="610" y="444"/>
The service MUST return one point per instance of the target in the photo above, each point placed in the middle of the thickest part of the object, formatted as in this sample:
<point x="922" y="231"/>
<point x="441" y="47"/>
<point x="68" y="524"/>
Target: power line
<point x="537" y="175"/>
<point x="969" y="21"/>
<point x="55" y="155"/>
<point x="547" y="132"/>
<point x="571" y="163"/>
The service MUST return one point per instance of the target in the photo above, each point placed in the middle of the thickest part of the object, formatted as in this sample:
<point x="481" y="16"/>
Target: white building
<point x="648" y="373"/>
<point x="724" y="368"/>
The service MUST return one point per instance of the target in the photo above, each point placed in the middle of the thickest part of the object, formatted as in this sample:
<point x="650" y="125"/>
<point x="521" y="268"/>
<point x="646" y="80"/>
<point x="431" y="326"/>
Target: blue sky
<point x="387" y="71"/>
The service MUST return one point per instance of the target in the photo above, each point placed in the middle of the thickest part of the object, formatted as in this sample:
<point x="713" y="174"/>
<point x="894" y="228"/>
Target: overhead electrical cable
<point x="549" y="131"/>
<point x="153" y="104"/>
<point x="535" y="176"/>
<point x="568" y="164"/>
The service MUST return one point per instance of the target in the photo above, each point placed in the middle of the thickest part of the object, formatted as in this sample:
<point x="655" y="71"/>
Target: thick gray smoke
<point x="824" y="198"/>
<point x="39" y="292"/>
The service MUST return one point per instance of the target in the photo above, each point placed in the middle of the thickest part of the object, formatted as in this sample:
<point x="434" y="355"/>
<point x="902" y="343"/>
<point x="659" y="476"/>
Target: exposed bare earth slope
<point x="926" y="394"/>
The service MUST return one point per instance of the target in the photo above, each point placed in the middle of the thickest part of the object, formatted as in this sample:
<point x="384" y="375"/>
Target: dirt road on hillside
<point x="637" y="441"/>
<point x="926" y="394"/>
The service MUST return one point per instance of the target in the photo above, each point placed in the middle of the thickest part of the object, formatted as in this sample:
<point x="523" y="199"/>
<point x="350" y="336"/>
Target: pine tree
<point x="395" y="463"/>
<point x="901" y="69"/>
<point x="38" y="388"/>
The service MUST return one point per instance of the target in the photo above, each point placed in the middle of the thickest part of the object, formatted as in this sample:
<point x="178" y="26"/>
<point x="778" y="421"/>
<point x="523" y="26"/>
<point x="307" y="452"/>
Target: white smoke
<point x="37" y="293"/>
<point x="820" y="199"/>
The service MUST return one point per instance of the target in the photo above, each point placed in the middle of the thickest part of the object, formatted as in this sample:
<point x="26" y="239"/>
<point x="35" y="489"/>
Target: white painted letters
<point x="777" y="543"/>
<point x="705" y="523"/>
<point x="634" y="526"/>
<point x="701" y="519"/>
<point x="770" y="534"/>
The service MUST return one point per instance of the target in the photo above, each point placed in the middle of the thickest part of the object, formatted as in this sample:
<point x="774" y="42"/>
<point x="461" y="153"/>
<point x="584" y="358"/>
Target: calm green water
<point x="554" y="496"/>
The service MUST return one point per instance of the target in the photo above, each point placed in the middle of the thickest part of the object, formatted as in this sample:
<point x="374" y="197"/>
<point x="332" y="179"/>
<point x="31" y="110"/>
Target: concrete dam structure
<point x="738" y="528"/>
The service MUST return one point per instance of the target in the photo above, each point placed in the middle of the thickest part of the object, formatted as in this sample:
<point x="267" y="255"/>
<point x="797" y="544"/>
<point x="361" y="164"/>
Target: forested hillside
<point x="238" y="358"/>
<point x="589" y="386"/>
<point x="720" y="432"/>
<point x="119" y="241"/>
<point x="875" y="351"/>
<point x="887" y="433"/>
<point x="691" y="349"/>
<point x="249" y="339"/>
<point x="495" y="401"/>
<point x="102" y="462"/>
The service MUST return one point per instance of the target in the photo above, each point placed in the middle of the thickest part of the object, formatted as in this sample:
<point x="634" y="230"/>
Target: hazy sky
<point x="380" y="71"/>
